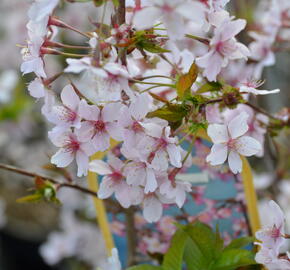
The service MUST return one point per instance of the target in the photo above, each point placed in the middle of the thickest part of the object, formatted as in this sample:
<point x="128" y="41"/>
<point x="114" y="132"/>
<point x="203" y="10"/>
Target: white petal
<point x="248" y="146"/>
<point x="232" y="28"/>
<point x="146" y="17"/>
<point x="218" y="154"/>
<point x="83" y="163"/>
<point x="100" y="167"/>
<point x="218" y="133"/>
<point x="36" y="88"/>
<point x="151" y="183"/>
<point x="174" y="155"/>
<point x="152" y="129"/>
<point x="115" y="131"/>
<point x="257" y="91"/>
<point x="140" y="107"/>
<point x="111" y="112"/>
<point x="152" y="210"/>
<point x="69" y="97"/>
<point x="101" y="141"/>
<point x="107" y="188"/>
<point x="235" y="162"/>
<point x="238" y="126"/>
<point x="212" y="63"/>
<point x="88" y="112"/>
<point x="62" y="158"/>
<point x="115" y="162"/>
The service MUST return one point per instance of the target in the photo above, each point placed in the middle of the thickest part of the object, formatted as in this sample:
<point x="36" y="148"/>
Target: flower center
<point x="116" y="176"/>
<point x="167" y="8"/>
<point x="232" y="144"/>
<point x="136" y="127"/>
<point x="275" y="232"/>
<point x="73" y="146"/>
<point x="100" y="126"/>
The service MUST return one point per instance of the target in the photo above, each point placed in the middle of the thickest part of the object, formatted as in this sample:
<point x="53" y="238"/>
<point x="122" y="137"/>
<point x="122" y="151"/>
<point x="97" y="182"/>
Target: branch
<point x="59" y="184"/>
<point x="261" y="111"/>
<point x="131" y="236"/>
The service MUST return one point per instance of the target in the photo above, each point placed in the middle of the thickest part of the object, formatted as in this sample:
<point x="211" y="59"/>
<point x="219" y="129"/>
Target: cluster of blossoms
<point x="272" y="238"/>
<point x="185" y="48"/>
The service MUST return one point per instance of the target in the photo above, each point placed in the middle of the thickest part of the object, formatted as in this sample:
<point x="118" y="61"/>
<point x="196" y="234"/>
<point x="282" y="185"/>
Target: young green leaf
<point x="240" y="242"/>
<point x="173" y="259"/>
<point x="234" y="258"/>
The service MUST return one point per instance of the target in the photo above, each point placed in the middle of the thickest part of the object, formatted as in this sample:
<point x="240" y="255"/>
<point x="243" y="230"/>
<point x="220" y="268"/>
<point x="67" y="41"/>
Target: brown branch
<point x="59" y="184"/>
<point x="131" y="236"/>
<point x="261" y="111"/>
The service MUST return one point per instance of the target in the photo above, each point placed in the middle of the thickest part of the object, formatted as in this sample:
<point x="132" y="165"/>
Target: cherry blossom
<point x="153" y="206"/>
<point x="223" y="47"/>
<point x="41" y="9"/>
<point x="176" y="191"/>
<point x="100" y="124"/>
<point x="32" y="56"/>
<point x="36" y="88"/>
<point x="230" y="141"/>
<point x="172" y="13"/>
<point x="66" y="114"/>
<point x="71" y="147"/>
<point x="272" y="235"/>
<point x="108" y="79"/>
<point x="114" y="182"/>
<point x="251" y="85"/>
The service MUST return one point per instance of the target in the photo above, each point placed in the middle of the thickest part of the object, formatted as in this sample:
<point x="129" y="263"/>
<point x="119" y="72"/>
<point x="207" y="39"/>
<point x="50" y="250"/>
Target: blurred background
<point x="50" y="236"/>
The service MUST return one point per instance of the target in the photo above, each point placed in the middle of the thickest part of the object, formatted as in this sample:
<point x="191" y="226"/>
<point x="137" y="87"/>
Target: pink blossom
<point x="272" y="235"/>
<point x="67" y="114"/>
<point x="32" y="57"/>
<point x="100" y="124"/>
<point x="251" y="87"/>
<point x="230" y="141"/>
<point x="172" y="13"/>
<point x="176" y="191"/>
<point x="223" y="47"/>
<point x="71" y="147"/>
<point x="114" y="182"/>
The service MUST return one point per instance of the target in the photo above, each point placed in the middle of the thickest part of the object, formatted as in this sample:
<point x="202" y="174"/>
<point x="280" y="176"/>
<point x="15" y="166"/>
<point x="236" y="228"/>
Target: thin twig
<point x="59" y="184"/>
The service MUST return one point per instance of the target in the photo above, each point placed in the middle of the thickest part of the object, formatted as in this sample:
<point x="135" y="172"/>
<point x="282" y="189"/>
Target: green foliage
<point x="209" y="87"/>
<point x="185" y="82"/>
<point x="200" y="248"/>
<point x="146" y="40"/>
<point x="170" y="112"/>
<point x="44" y="191"/>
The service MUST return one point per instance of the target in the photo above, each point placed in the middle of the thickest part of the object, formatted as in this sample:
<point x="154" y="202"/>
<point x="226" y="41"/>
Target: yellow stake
<point x="251" y="197"/>
<point x="102" y="219"/>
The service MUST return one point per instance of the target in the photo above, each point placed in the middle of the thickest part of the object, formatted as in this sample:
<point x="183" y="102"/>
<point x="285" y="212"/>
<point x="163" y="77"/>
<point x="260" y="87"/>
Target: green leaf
<point x="173" y="259"/>
<point x="234" y="258"/>
<point x="37" y="197"/>
<point x="150" y="46"/>
<point x="203" y="236"/>
<point x="146" y="267"/>
<point x="171" y="113"/>
<point x="240" y="243"/>
<point x="185" y="82"/>
<point x="209" y="87"/>
<point x="193" y="257"/>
